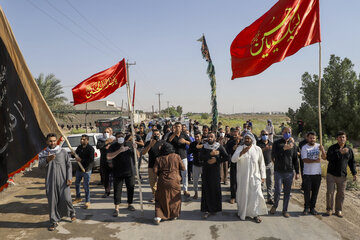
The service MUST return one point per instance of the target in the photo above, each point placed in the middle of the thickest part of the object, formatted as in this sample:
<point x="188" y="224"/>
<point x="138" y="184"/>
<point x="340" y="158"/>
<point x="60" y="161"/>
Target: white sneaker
<point x="157" y="220"/>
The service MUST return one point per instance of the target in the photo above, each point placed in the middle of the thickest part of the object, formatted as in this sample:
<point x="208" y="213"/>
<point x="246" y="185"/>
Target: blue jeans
<point x="286" y="179"/>
<point x="86" y="176"/>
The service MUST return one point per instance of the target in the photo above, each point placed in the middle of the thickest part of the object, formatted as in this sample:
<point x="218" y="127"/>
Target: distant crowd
<point x="179" y="154"/>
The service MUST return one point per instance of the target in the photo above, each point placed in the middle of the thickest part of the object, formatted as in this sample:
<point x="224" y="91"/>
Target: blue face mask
<point x="264" y="137"/>
<point x="287" y="136"/>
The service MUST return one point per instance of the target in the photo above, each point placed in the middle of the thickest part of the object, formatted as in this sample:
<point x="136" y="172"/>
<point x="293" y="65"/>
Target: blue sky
<point x="161" y="37"/>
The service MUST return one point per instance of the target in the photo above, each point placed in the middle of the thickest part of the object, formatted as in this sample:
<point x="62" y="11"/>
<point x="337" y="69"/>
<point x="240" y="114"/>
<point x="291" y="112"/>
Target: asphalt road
<point x="25" y="217"/>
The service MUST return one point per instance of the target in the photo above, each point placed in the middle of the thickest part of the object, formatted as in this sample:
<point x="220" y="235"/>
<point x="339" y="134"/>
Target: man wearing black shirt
<point x="153" y="148"/>
<point x="231" y="146"/>
<point x="122" y="155"/>
<point x="266" y="146"/>
<point x="179" y="140"/>
<point x="339" y="155"/>
<point x="197" y="162"/>
<point x="85" y="154"/>
<point x="284" y="153"/>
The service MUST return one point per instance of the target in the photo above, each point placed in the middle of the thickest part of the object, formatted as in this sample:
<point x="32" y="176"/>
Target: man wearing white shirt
<point x="310" y="154"/>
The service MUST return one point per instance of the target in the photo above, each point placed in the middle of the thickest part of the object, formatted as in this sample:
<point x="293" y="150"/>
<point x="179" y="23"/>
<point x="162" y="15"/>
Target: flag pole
<point x="319" y="97"/>
<point x="131" y="114"/>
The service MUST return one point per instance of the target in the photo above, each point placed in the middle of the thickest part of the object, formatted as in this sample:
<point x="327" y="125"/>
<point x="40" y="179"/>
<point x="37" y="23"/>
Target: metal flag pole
<point x="131" y="115"/>
<point x="319" y="97"/>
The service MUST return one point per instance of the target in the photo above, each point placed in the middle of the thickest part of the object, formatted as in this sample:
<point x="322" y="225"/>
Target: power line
<point x="62" y="25"/>
<point x="79" y="26"/>
<point x="97" y="29"/>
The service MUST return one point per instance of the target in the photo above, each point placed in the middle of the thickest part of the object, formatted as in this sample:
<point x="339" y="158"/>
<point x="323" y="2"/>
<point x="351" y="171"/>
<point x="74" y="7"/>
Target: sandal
<point x="73" y="218"/>
<point x="52" y="227"/>
<point x="116" y="213"/>
<point x="257" y="219"/>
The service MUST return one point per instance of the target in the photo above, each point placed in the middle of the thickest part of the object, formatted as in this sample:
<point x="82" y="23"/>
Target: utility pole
<point x="159" y="94"/>
<point x="168" y="110"/>
<point x="153" y="109"/>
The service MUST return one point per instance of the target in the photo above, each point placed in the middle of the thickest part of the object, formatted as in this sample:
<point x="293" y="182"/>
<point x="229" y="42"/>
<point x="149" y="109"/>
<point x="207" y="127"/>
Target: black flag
<point x="25" y="118"/>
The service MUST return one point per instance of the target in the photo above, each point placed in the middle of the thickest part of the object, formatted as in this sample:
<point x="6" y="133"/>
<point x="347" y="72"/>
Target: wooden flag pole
<point x="131" y="114"/>
<point x="319" y="97"/>
<point x="72" y="151"/>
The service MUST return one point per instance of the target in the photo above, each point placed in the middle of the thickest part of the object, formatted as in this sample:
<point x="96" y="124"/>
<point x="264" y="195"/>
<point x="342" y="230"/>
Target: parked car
<point x="75" y="142"/>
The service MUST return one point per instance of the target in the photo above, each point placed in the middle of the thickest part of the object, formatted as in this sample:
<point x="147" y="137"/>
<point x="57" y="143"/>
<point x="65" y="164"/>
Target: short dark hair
<point x="117" y="133"/>
<point x="156" y="130"/>
<point x="340" y="133"/>
<point x="50" y="135"/>
<point x="206" y="126"/>
<point x="85" y="136"/>
<point x="311" y="133"/>
<point x="197" y="133"/>
<point x="178" y="123"/>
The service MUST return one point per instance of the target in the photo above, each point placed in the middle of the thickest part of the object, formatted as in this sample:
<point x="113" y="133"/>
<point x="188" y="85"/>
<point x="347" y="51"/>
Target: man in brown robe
<point x="168" y="192"/>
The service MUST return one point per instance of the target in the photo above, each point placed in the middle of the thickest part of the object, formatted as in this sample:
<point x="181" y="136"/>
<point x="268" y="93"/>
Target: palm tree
<point x="51" y="90"/>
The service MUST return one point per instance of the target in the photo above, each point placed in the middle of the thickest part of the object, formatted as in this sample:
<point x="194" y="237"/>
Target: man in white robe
<point x="250" y="174"/>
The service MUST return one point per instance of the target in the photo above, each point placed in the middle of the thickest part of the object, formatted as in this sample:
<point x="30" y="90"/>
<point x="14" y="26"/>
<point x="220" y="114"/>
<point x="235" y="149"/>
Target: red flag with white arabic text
<point x="282" y="31"/>
<point x="100" y="85"/>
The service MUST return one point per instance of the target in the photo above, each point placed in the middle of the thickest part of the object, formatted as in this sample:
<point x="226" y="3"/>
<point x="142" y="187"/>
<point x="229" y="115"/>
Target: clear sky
<point x="160" y="35"/>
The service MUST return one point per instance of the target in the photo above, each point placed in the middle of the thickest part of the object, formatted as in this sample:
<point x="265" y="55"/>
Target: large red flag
<point x="282" y="31"/>
<point x="100" y="85"/>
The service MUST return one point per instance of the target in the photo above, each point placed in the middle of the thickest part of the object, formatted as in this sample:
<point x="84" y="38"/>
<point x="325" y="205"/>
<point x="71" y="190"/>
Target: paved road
<point x="29" y="221"/>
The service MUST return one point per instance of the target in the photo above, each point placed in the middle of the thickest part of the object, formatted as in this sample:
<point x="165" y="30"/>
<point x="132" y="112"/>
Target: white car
<point x="75" y="142"/>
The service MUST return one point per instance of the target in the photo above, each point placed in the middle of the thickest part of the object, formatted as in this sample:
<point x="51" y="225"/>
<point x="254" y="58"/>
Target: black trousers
<point x="130" y="186"/>
<point x="190" y="167"/>
<point x="311" y="190"/>
<point x="233" y="182"/>
<point x="105" y="172"/>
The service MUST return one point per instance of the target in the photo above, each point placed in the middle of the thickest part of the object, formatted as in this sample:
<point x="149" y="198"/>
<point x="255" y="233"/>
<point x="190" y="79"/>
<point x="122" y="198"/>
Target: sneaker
<point x="273" y="210"/>
<point x="314" y="212"/>
<point x="339" y="214"/>
<point x="328" y="213"/>
<point x="73" y="218"/>
<point x="286" y="214"/>
<point x="87" y="205"/>
<point x="77" y="200"/>
<point x="195" y="195"/>
<point x="186" y="194"/>
<point x="232" y="201"/>
<point x="131" y="207"/>
<point x="306" y="211"/>
<point x="52" y="227"/>
<point x="157" y="220"/>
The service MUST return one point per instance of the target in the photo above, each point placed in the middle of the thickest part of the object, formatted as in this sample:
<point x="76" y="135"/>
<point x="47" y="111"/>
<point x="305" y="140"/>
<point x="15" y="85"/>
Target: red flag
<point x="100" y="85"/>
<point x="282" y="31"/>
<point x="133" y="101"/>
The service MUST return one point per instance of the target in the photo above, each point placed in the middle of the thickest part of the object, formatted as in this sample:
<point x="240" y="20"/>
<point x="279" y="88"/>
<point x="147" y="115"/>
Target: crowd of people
<point x="180" y="154"/>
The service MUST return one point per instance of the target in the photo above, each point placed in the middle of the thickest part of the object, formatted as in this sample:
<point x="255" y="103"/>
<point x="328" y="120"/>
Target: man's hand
<point x="214" y="153"/>
<point x="263" y="180"/>
<point x="182" y="141"/>
<point x="199" y="146"/>
<point x="211" y="161"/>
<point x="344" y="150"/>
<point x="50" y="157"/>
<point x="288" y="146"/>
<point x="297" y="176"/>
<point x="354" y="178"/>
<point x="245" y="150"/>
<point x="69" y="182"/>
<point x="77" y="158"/>
<point x="152" y="142"/>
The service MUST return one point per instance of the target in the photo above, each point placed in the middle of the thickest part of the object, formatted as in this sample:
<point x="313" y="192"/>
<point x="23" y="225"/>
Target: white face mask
<point x="222" y="134"/>
<point x="106" y="135"/>
<point x="121" y="140"/>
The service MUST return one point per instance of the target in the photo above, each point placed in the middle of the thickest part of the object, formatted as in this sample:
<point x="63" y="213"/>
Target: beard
<point x="248" y="143"/>
<point x="211" y="142"/>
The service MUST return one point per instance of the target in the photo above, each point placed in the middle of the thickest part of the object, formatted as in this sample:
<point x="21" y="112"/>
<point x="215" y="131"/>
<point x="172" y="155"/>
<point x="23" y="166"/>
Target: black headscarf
<point x="166" y="149"/>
